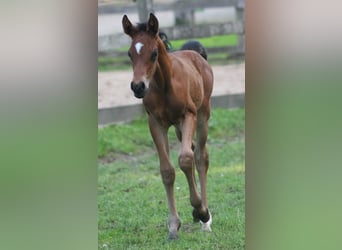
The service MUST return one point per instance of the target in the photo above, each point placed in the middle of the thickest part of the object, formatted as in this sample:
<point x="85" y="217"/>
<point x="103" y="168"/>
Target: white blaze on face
<point x="138" y="47"/>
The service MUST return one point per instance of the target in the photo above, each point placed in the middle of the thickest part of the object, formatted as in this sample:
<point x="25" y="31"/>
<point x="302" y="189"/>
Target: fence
<point x="110" y="43"/>
<point x="186" y="25"/>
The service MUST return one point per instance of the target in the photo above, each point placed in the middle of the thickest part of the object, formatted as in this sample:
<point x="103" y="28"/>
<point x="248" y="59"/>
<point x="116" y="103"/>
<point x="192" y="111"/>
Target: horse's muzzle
<point x="139" y="89"/>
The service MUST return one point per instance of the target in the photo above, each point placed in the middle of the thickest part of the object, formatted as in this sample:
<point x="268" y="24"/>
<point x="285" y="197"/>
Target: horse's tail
<point x="196" y="46"/>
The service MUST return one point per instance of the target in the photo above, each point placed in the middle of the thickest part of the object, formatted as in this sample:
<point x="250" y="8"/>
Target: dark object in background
<point x="196" y="46"/>
<point x="189" y="45"/>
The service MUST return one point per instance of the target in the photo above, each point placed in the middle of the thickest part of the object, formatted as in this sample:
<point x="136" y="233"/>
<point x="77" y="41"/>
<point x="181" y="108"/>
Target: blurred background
<point x="218" y="25"/>
<point x="49" y="119"/>
<point x="221" y="22"/>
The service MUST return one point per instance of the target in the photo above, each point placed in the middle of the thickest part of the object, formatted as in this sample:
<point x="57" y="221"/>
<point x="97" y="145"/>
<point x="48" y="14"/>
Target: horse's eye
<point x="154" y="55"/>
<point x="129" y="55"/>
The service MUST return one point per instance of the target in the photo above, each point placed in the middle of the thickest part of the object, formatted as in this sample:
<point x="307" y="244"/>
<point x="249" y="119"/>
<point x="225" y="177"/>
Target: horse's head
<point x="143" y="52"/>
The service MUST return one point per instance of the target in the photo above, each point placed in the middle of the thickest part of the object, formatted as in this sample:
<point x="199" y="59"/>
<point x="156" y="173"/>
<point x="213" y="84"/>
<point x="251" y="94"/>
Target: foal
<point x="175" y="89"/>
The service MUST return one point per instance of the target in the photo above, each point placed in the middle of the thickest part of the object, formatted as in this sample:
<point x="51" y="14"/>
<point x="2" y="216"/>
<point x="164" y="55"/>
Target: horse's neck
<point x="162" y="76"/>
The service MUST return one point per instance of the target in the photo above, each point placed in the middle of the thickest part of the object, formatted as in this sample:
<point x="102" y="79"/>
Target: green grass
<point x="124" y="139"/>
<point x="210" y="42"/>
<point x="113" y="63"/>
<point x="132" y="206"/>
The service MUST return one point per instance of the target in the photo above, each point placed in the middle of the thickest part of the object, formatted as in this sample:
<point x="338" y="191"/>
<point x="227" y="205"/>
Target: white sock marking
<point x="206" y="226"/>
<point x="138" y="47"/>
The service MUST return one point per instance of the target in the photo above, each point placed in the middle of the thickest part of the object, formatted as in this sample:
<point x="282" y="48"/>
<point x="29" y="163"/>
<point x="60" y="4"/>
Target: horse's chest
<point x="166" y="112"/>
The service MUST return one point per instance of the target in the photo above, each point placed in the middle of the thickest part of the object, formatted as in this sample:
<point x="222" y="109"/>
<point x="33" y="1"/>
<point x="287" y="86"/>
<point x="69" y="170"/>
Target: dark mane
<point x="143" y="27"/>
<point x="165" y="40"/>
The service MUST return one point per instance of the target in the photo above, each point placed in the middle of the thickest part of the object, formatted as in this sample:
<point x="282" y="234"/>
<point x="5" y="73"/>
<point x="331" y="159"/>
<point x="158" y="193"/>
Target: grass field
<point x="132" y="206"/>
<point x="122" y="62"/>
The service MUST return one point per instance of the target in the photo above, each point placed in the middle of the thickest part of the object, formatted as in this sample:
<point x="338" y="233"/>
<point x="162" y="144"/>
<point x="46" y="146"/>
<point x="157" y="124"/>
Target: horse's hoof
<point x="206" y="226"/>
<point x="173" y="236"/>
<point x="198" y="217"/>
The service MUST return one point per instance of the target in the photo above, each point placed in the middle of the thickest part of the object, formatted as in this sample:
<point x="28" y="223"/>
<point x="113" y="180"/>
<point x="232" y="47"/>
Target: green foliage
<point x="132" y="205"/>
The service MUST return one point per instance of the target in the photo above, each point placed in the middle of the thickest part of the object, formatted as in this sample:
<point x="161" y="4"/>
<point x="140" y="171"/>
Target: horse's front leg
<point x="186" y="163"/>
<point x="202" y="165"/>
<point x="159" y="135"/>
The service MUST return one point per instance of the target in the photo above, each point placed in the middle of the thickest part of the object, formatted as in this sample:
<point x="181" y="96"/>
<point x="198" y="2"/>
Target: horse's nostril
<point x="142" y="85"/>
<point x="139" y="89"/>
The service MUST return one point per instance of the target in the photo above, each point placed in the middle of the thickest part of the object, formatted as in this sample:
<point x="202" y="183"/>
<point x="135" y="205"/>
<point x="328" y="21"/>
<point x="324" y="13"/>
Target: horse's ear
<point x="153" y="25"/>
<point x="127" y="26"/>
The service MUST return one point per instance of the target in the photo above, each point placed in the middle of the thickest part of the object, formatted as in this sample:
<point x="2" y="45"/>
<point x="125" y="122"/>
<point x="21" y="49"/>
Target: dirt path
<point x="114" y="87"/>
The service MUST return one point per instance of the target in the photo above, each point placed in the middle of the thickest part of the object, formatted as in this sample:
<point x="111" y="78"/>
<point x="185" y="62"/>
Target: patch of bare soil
<point x="114" y="87"/>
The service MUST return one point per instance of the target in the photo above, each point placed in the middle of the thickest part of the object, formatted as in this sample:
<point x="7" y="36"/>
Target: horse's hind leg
<point x="202" y="165"/>
<point x="167" y="171"/>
